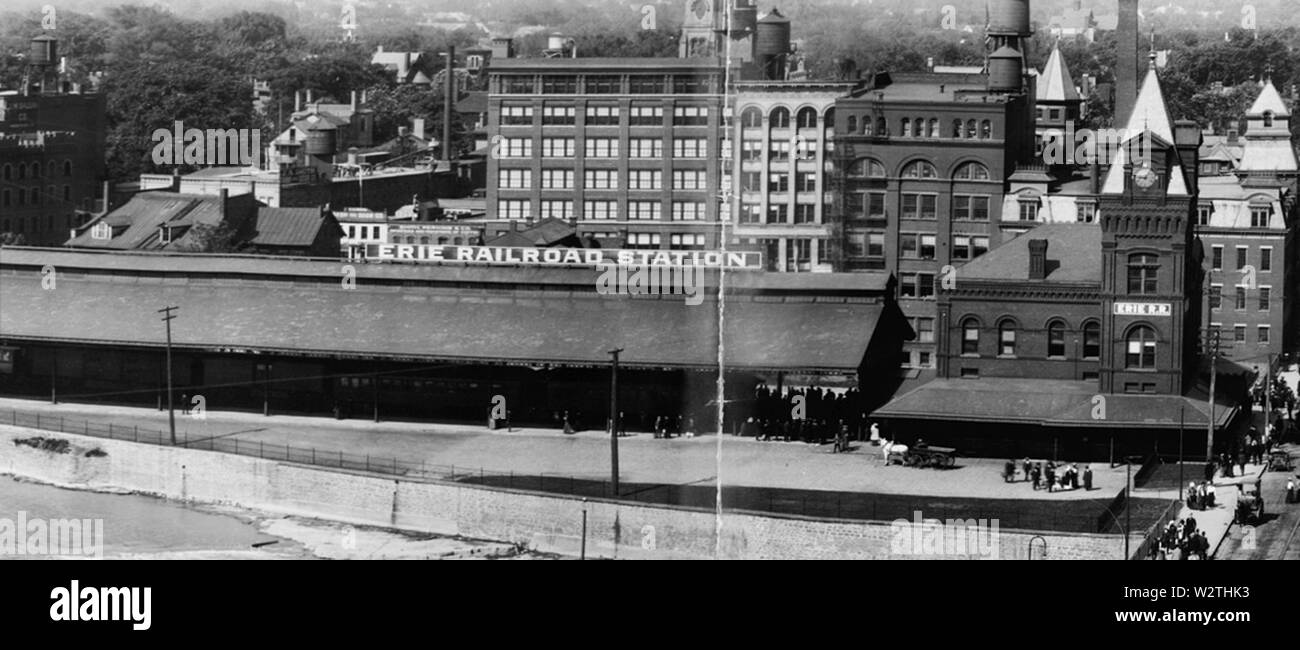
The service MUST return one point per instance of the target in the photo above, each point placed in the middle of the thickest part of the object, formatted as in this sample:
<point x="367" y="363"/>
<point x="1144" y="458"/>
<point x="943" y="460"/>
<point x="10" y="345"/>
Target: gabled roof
<point x="288" y="226"/>
<point x="145" y="213"/>
<point x="1269" y="101"/>
<point x="1073" y="256"/>
<point x="1150" y="113"/>
<point x="550" y="230"/>
<point x="1055" y="83"/>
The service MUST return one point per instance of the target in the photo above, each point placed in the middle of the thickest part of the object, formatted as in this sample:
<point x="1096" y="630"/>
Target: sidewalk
<point x="1217" y="521"/>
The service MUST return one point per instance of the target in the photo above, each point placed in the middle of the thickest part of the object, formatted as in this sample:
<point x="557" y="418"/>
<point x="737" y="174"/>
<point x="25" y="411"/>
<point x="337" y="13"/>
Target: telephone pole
<point x="1268" y="394"/>
<point x="613" y="421"/>
<point x="1214" y="374"/>
<point x="171" y="411"/>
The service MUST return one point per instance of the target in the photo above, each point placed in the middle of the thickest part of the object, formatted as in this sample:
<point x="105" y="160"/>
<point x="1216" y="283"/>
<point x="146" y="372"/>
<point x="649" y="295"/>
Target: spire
<point x="1150" y="114"/>
<point x="1270" y="100"/>
<point x="1055" y="83"/>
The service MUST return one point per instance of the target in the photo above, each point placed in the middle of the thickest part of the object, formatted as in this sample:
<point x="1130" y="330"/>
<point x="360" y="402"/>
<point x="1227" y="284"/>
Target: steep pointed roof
<point x="1270" y="100"/>
<point x="1055" y="83"/>
<point x="1150" y="113"/>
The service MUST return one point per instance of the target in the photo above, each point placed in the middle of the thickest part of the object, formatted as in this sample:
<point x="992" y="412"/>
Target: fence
<point x="1153" y="533"/>
<point x="1010" y="513"/>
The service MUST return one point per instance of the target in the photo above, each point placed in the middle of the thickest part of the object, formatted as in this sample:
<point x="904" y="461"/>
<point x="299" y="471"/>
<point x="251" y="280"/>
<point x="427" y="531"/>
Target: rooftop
<point x="1073" y="256"/>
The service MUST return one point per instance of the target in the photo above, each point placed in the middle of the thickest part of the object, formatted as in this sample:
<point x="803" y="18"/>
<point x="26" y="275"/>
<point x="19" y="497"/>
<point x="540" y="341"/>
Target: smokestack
<point x="1038" y="259"/>
<point x="1188" y="139"/>
<point x="1127" y="63"/>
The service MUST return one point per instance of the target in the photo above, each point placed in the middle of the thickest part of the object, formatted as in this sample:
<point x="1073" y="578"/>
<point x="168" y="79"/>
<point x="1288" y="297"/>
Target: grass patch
<point x="52" y="445"/>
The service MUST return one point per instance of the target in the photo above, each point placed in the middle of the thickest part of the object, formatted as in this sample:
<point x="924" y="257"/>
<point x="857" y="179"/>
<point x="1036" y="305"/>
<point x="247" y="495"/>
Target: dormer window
<point x="165" y="235"/>
<point x="101" y="231"/>
<point x="1260" y="216"/>
<point x="1029" y="209"/>
<point x="1268" y="119"/>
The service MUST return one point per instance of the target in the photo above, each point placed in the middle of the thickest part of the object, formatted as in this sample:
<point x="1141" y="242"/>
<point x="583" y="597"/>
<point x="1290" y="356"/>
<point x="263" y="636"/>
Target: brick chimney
<point x="1038" y="259"/>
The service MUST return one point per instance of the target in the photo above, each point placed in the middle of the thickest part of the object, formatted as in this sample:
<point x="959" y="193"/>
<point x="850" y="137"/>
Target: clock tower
<point x="1150" y="268"/>
<point x="705" y="19"/>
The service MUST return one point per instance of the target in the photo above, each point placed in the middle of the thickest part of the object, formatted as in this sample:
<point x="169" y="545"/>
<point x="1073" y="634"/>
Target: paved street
<point x="1278" y="538"/>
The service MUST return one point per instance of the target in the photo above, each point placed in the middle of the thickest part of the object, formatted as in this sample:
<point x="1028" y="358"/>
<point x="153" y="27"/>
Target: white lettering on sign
<point x="751" y="261"/>
<point x="1163" y="309"/>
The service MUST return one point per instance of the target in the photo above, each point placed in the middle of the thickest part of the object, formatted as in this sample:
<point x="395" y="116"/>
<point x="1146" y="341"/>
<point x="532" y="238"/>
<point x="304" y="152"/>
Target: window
<point x="644" y="241"/>
<point x="778" y="213"/>
<point x="1239" y="334"/>
<point x="647" y="116"/>
<point x="805" y="182"/>
<point x="1029" y="210"/>
<point x="805" y="213"/>
<point x="557" y="209"/>
<point x="557" y="147"/>
<point x="956" y="129"/>
<point x="969" y="247"/>
<point x="516" y="116"/>
<point x="751" y="150"/>
<point x="1266" y="259"/>
<point x="601" y="179"/>
<point x="780" y="118"/>
<point x="1216" y="258"/>
<point x="986" y="130"/>
<point x="647" y="85"/>
<point x="1203" y="214"/>
<point x="644" y="210"/>
<point x="1265" y="298"/>
<point x="514" y="209"/>
<point x="875" y="205"/>
<point x="1056" y="339"/>
<point x="1216" y="296"/>
<point x="876" y="244"/>
<point x="920" y="169"/>
<point x="867" y="168"/>
<point x="1260" y="217"/>
<point x="557" y="85"/>
<point x="686" y="241"/>
<point x="972" y="171"/>
<point x="692" y="85"/>
<point x="1007" y="339"/>
<point x="645" y="179"/>
<point x="101" y="231"/>
<point x="751" y="213"/>
<point x="807" y="118"/>
<point x="695" y="180"/>
<point x="515" y="179"/>
<point x="557" y="179"/>
<point x="920" y="206"/>
<point x="602" y="116"/>
<point x="970" y="208"/>
<point x="853" y="124"/>
<point x="1140" y="349"/>
<point x="516" y="148"/>
<point x="1242" y="254"/>
<point x="602" y="147"/>
<point x="925" y="330"/>
<point x="1092" y="341"/>
<point x="752" y="118"/>
<point x="689" y="210"/>
<point x="779" y="151"/>
<point x="645" y="148"/>
<point x="1087" y="212"/>
<point x="693" y="147"/>
<point x="1263" y="333"/>
<point x="604" y="85"/>
<point x="935" y="131"/>
<point x="1241" y="298"/>
<point x="690" y="116"/>
<point x="1268" y="119"/>
<point x="1143" y="275"/>
<point x="778" y="182"/>
<point x="917" y="285"/>
<point x="600" y="210"/>
<point x="906" y="125"/>
<point x="165" y="235"/>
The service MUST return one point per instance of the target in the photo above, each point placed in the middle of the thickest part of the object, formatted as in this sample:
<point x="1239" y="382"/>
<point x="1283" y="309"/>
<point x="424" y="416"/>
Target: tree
<point x="208" y="238"/>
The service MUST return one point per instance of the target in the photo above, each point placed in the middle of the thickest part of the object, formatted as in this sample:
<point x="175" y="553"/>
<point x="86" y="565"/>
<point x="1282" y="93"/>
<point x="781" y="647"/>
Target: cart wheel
<point x="913" y="460"/>
<point x="952" y="461"/>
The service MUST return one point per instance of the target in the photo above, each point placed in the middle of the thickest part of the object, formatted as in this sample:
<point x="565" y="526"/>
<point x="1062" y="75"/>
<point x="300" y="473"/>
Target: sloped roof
<point x="1269" y="155"/>
<point x="1073" y="256"/>
<point x="550" y="230"/>
<point x="1150" y="113"/>
<point x="288" y="226"/>
<point x="1269" y="101"/>
<point x="1055" y="83"/>
<point x="145" y="213"/>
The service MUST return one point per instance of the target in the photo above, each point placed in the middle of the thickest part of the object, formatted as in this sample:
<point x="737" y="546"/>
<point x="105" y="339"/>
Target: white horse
<point x="889" y="448"/>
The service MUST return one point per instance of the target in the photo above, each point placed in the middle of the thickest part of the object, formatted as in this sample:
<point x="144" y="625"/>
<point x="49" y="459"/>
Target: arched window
<point x="1092" y="340"/>
<point x="1268" y="119"/>
<point x="972" y="171"/>
<point x="781" y="118"/>
<point x="1140" y="349"/>
<point x="919" y="127"/>
<point x="22" y="171"/>
<point x="752" y="118"/>
<point x="866" y="126"/>
<point x="956" y="128"/>
<point x="1007" y="339"/>
<point x="1056" y="339"/>
<point x="67" y="168"/>
<point x="970" y="130"/>
<point x="50" y="169"/>
<point x="986" y="129"/>
<point x="442" y="241"/>
<point x="36" y="170"/>
<point x="807" y="118"/>
<point x="853" y="124"/>
<point x="882" y="127"/>
<point x="829" y="118"/>
<point x="867" y="168"/>
<point x="907" y="127"/>
<point x="920" y="169"/>
<point x="935" y="132"/>
<point x="970" y="336"/>
<point x="1143" y="274"/>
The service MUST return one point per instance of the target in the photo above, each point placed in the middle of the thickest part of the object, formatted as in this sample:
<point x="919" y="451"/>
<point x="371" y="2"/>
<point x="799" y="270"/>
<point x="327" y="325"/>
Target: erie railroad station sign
<point x="1157" y="309"/>
<point x="487" y="255"/>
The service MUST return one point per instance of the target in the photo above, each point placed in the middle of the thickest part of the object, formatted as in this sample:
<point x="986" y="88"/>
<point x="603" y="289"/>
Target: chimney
<point x="1234" y="136"/>
<point x="1188" y="139"/>
<point x="418" y="127"/>
<point x="309" y="96"/>
<point x="297" y="101"/>
<point x="1126" y="65"/>
<point x="354" y="100"/>
<point x="381" y="49"/>
<point x="1038" y="259"/>
<point x="221" y="209"/>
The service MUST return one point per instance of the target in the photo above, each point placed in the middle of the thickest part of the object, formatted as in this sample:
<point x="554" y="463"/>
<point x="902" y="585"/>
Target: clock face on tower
<point x="701" y="8"/>
<point x="1145" y="177"/>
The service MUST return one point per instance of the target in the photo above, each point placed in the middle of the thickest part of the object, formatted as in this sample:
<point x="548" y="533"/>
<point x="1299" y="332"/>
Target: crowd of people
<point x="1181" y="541"/>
<point x="1200" y="495"/>
<point x="1048" y="475"/>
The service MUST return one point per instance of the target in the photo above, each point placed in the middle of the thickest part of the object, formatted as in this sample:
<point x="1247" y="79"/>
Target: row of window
<point x="1264" y="296"/>
<point x="921" y="127"/>
<point x="604" y="116"/>
<point x="697" y="148"/>
<point x="778" y="151"/>
<point x="1261" y="216"/>
<point x="752" y="213"/>
<point x="20" y="171"/>
<point x="602" y="179"/>
<point x="654" y="241"/>
<point x="1243" y="258"/>
<point x="871" y="205"/>
<point x="33" y="196"/>
<point x="636" y="84"/>
<point x="871" y="168"/>
<point x="1140" y="344"/>
<point x="779" y="118"/>
<point x="1263" y="333"/>
<point x="601" y="210"/>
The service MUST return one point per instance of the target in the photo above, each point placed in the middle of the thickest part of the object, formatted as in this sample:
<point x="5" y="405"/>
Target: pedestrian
<point x="1009" y="472"/>
<point x="1051" y="477"/>
<point x="1074" y="477"/>
<point x="875" y="434"/>
<point x="1209" y="495"/>
<point x="1290" y="491"/>
<point x="568" y="426"/>
<point x="1037" y="473"/>
<point x="1209" y="471"/>
<point x="1027" y="466"/>
<point x="1087" y="478"/>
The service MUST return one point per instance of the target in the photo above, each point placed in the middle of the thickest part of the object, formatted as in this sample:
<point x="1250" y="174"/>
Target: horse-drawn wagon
<point x="923" y="455"/>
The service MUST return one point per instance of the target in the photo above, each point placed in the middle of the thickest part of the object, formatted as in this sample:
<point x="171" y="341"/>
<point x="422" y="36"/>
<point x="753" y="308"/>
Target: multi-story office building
<point x="630" y="149"/>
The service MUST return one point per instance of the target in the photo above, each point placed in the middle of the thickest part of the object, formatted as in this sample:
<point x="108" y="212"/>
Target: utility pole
<point x="171" y="411"/>
<point x="449" y="97"/>
<point x="1128" y="506"/>
<point x="1268" y="394"/>
<point x="613" y="421"/>
<point x="1214" y="374"/>
<point x="1182" y="411"/>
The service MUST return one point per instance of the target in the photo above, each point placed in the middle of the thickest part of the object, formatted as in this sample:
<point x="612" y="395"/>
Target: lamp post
<point x="168" y="317"/>
<point x="613" y="422"/>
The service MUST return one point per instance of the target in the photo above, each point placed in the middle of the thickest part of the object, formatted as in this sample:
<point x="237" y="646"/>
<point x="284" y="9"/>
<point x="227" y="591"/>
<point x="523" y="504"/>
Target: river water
<point x="142" y="527"/>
